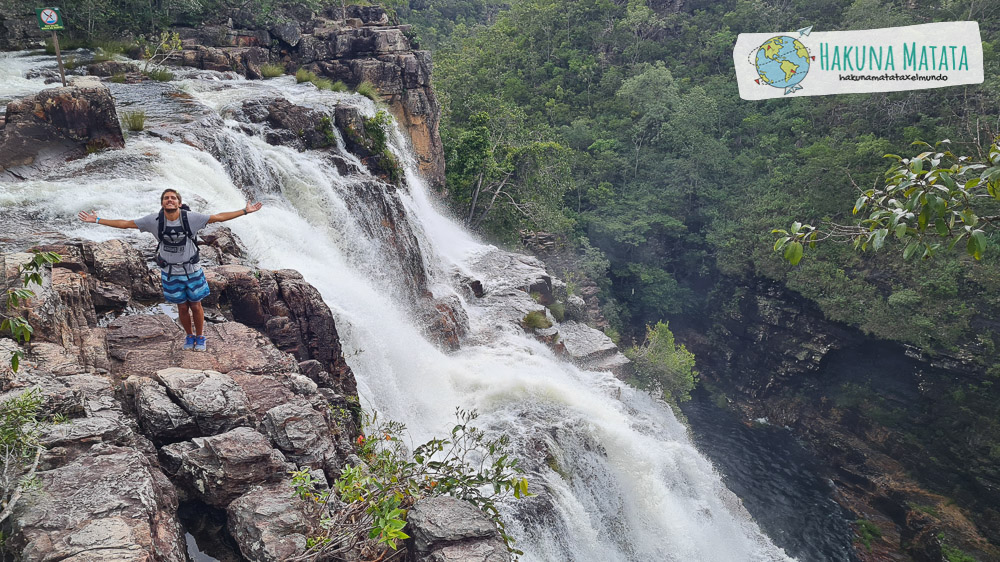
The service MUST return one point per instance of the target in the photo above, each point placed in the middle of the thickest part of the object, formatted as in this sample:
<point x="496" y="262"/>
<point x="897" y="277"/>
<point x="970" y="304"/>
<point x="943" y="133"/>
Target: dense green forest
<point x="619" y="124"/>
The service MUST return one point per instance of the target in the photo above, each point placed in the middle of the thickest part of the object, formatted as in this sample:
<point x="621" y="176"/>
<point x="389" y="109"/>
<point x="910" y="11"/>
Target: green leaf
<point x="793" y="253"/>
<point x="781" y="242"/>
<point x="977" y="244"/>
<point x="972" y="247"/>
<point x="860" y="204"/>
<point x="878" y="238"/>
<point x="916" y="165"/>
<point x="908" y="252"/>
<point x="941" y="226"/>
<point x="15" y="361"/>
<point x="901" y="230"/>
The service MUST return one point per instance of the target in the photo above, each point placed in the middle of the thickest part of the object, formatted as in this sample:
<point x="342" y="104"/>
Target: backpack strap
<point x="187" y="232"/>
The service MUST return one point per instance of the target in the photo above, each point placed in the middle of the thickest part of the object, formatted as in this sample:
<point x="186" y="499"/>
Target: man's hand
<point x="222" y="217"/>
<point x="114" y="223"/>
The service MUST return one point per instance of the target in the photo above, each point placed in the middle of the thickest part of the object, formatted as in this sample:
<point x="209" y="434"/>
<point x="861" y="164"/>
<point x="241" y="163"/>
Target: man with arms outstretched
<point x="183" y="280"/>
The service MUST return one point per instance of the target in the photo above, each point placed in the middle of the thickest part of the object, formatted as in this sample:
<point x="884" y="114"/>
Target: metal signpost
<point x="49" y="19"/>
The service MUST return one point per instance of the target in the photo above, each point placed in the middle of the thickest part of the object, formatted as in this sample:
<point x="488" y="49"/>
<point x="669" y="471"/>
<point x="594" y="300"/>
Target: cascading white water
<point x="629" y="486"/>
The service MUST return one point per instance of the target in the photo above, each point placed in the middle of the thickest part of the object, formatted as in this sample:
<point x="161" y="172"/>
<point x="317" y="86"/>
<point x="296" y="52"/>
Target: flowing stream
<point x="622" y="481"/>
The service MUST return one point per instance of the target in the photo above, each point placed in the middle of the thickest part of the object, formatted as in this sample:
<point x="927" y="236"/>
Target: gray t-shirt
<point x="174" y="232"/>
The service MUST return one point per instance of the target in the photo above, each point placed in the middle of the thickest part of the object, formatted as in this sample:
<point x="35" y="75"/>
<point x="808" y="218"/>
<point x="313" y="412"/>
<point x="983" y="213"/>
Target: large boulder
<point x="223" y="467"/>
<point x="290" y="311"/>
<point x="109" y="504"/>
<point x="269" y="524"/>
<point x="160" y="418"/>
<point x="117" y="263"/>
<point x="44" y="129"/>
<point x="445" y="529"/>
<point x="305" y="435"/>
<point x="215" y="402"/>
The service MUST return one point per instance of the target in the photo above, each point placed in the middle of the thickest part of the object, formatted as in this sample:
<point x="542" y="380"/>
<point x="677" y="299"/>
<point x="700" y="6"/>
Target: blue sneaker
<point x="199" y="343"/>
<point x="189" y="343"/>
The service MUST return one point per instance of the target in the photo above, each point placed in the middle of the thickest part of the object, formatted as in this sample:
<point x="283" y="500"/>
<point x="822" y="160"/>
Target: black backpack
<point x="161" y="227"/>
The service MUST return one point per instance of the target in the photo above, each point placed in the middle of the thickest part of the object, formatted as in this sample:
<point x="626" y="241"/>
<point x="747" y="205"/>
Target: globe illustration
<point x="782" y="62"/>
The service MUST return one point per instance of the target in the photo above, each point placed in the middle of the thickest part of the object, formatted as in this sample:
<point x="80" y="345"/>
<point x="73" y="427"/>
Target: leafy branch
<point x="366" y="507"/>
<point x="159" y="50"/>
<point x="30" y="273"/>
<point x="932" y="200"/>
<point x="19" y="447"/>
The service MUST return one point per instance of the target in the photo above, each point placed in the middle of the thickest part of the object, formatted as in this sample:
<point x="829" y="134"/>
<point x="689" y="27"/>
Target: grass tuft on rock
<point x="134" y="120"/>
<point x="368" y="90"/>
<point x="535" y="319"/>
<point x="303" y="75"/>
<point x="272" y="70"/>
<point x="160" y="75"/>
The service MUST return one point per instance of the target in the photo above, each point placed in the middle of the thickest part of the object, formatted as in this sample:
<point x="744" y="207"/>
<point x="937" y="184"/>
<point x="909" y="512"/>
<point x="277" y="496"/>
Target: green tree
<point x="663" y="365"/>
<point x="505" y="180"/>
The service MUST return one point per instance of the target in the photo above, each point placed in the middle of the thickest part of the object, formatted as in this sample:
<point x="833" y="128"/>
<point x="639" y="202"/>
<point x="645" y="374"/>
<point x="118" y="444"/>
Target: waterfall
<point x="620" y="479"/>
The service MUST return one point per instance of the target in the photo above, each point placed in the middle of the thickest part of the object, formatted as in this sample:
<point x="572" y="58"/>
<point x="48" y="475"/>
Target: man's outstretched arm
<point x="92" y="217"/>
<point x="223" y="217"/>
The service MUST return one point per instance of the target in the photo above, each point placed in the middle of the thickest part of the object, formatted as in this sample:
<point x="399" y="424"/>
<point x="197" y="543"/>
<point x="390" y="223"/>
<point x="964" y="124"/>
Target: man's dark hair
<point x="174" y="191"/>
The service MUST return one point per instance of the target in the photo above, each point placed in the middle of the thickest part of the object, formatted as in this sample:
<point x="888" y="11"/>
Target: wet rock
<point x="585" y="344"/>
<point x="215" y="402"/>
<point x="445" y="529"/>
<point x="110" y="68"/>
<point x="290" y="124"/>
<point x="445" y="321"/>
<point x="223" y="467"/>
<point x="109" y="504"/>
<point x="245" y="60"/>
<point x="57" y="123"/>
<point x="269" y="524"/>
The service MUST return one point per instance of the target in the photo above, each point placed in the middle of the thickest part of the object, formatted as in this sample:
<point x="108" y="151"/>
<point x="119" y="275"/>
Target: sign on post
<point x="49" y="19"/>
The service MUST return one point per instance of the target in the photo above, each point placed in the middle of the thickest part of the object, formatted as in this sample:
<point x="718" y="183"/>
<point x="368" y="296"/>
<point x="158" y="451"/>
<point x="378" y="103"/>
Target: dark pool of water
<point x="781" y="484"/>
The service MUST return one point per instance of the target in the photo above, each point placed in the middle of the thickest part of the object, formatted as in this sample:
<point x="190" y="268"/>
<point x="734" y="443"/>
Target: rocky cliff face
<point x="856" y="404"/>
<point x="355" y="45"/>
<point x="145" y="425"/>
<point x="18" y="29"/>
<point x="225" y="426"/>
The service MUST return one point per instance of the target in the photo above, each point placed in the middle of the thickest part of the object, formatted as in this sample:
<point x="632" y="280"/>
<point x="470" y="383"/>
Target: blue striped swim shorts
<point x="191" y="287"/>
